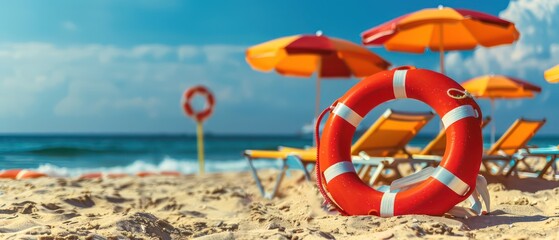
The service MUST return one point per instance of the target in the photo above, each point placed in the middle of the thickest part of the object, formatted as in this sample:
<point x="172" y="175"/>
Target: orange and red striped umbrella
<point x="441" y="29"/>
<point x="499" y="87"/>
<point x="304" y="55"/>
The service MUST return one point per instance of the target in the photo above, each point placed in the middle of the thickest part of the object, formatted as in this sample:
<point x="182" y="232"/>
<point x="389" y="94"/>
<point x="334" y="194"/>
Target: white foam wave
<point x="185" y="166"/>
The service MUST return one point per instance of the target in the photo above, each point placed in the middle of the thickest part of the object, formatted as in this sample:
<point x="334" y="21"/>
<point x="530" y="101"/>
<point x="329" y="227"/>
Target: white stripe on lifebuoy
<point x="451" y="181"/>
<point x="399" y="83"/>
<point x="387" y="204"/>
<point x="343" y="111"/>
<point x="338" y="169"/>
<point x="457" y="114"/>
<point x="21" y="174"/>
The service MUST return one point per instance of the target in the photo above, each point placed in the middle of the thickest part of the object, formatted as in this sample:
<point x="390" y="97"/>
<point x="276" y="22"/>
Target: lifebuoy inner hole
<point x="418" y="142"/>
<point x="199" y="102"/>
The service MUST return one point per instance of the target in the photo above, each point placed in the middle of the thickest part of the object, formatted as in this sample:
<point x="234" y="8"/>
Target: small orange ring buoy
<point x="20" y="174"/>
<point x="145" y="174"/>
<point x="187" y="107"/>
<point x="162" y="173"/>
<point x="171" y="173"/>
<point x="450" y="183"/>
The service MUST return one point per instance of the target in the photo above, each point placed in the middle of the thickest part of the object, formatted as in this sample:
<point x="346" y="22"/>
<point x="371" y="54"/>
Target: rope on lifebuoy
<point x="319" y="182"/>
<point x="464" y="93"/>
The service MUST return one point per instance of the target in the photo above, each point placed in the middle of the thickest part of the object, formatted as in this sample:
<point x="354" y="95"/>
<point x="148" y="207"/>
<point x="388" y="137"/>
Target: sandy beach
<point x="228" y="206"/>
<point x="109" y="110"/>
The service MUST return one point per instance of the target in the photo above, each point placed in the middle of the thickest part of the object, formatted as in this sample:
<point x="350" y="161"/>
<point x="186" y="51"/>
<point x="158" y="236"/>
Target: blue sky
<point x="121" y="66"/>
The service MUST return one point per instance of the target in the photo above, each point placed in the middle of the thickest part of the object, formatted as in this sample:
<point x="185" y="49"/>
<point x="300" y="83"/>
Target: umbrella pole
<point x="441" y="49"/>
<point x="441" y="62"/>
<point x="441" y="56"/>
<point x="317" y="98"/>
<point x="492" y="121"/>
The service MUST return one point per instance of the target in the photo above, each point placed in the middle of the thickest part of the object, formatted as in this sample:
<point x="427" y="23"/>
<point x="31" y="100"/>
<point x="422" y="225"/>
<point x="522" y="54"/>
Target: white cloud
<point x="87" y="98"/>
<point x="69" y="26"/>
<point x="49" y="88"/>
<point x="536" y="50"/>
<point x="157" y="51"/>
<point x="186" y="52"/>
<point x="99" y="79"/>
<point x="220" y="53"/>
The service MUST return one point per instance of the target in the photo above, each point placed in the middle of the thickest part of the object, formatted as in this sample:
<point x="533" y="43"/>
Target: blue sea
<point x="73" y="155"/>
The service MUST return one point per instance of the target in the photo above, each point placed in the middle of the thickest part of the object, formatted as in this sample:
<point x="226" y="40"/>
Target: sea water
<point x="73" y="155"/>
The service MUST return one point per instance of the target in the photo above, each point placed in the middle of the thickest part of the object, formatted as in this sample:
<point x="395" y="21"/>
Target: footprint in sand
<point x="50" y="206"/>
<point x="117" y="199"/>
<point x="193" y="214"/>
<point x="8" y="211"/>
<point x="83" y="201"/>
<point x="148" y="224"/>
<point x="26" y="207"/>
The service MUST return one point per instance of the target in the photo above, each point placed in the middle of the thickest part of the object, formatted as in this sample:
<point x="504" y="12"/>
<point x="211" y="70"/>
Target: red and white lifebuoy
<point x="187" y="105"/>
<point x="452" y="181"/>
<point x="20" y="174"/>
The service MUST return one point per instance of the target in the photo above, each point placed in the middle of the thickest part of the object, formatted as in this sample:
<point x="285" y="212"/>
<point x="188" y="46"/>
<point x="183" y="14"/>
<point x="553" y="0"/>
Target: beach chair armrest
<point x="374" y="160"/>
<point x="406" y="152"/>
<point x="496" y="157"/>
<point x="421" y="157"/>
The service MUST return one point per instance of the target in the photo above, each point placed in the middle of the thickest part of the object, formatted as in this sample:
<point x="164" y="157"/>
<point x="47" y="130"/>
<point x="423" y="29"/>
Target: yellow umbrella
<point x="441" y="29"/>
<point x="303" y="55"/>
<point x="552" y="74"/>
<point x="498" y="86"/>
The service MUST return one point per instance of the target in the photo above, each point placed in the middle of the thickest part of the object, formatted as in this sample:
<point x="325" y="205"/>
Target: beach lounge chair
<point x="506" y="148"/>
<point x="386" y="138"/>
<point x="437" y="146"/>
<point x="549" y="153"/>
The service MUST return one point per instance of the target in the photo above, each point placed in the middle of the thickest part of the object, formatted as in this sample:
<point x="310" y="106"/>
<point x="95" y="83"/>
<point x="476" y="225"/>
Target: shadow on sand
<point x="530" y="185"/>
<point x="497" y="218"/>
